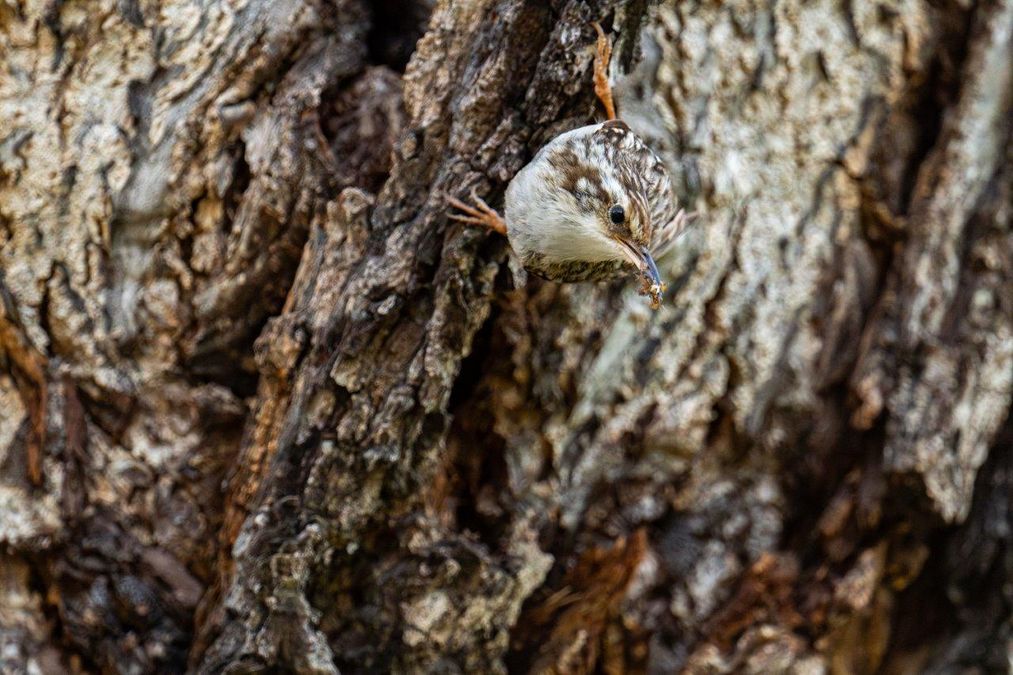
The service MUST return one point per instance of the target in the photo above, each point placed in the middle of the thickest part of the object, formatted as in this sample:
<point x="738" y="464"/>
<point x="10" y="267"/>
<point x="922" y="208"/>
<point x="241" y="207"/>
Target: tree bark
<point x="266" y="409"/>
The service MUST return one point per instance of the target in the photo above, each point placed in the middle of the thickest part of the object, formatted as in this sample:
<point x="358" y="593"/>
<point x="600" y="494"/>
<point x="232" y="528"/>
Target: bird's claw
<point x="478" y="214"/>
<point x="602" y="88"/>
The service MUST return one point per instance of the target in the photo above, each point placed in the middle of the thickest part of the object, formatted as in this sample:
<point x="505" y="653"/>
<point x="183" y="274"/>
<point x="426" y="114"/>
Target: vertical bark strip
<point x="265" y="408"/>
<point x="385" y="306"/>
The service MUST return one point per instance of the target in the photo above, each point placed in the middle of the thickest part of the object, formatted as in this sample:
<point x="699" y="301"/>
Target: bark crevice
<point x="225" y="261"/>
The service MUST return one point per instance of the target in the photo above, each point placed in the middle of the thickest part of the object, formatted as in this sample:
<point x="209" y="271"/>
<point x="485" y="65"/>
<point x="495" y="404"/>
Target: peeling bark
<point x="266" y="408"/>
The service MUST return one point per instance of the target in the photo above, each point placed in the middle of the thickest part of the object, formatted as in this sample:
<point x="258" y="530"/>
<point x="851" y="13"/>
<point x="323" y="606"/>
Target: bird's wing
<point x="665" y="235"/>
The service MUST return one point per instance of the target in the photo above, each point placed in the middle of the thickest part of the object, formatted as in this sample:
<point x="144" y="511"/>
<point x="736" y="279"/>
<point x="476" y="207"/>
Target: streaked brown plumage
<point x="593" y="204"/>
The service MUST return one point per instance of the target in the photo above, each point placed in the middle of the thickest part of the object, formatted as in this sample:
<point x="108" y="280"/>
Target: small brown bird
<point x="593" y="204"/>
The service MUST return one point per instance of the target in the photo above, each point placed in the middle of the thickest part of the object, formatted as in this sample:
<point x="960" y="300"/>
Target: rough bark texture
<point x="265" y="409"/>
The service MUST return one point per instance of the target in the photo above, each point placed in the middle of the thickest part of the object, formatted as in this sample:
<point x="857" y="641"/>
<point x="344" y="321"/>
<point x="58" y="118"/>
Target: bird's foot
<point x="477" y="213"/>
<point x="602" y="89"/>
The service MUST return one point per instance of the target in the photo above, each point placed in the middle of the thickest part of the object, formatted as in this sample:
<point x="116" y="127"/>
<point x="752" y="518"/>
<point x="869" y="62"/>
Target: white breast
<point x="543" y="219"/>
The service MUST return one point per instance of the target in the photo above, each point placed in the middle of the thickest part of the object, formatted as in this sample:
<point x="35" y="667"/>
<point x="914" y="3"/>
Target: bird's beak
<point x="651" y="280"/>
<point x="643" y="260"/>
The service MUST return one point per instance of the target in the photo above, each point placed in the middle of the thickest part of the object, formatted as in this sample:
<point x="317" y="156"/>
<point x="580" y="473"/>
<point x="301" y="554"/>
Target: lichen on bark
<point x="265" y="407"/>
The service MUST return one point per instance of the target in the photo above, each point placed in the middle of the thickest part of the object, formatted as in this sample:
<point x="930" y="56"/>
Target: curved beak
<point x="651" y="279"/>
<point x="640" y="257"/>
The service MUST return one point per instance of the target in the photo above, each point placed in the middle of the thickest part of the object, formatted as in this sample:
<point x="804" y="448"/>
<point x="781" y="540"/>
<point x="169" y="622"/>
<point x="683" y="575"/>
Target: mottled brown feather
<point x="645" y="180"/>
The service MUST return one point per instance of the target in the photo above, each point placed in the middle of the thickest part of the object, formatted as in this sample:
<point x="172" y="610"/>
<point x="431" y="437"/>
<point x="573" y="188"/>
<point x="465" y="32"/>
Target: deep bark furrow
<point x="264" y="407"/>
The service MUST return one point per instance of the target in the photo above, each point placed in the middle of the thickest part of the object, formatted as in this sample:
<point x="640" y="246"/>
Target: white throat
<point x="540" y="221"/>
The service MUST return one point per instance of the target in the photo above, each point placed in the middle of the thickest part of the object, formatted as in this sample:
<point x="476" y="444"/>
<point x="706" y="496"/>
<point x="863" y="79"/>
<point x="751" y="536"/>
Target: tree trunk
<point x="266" y="409"/>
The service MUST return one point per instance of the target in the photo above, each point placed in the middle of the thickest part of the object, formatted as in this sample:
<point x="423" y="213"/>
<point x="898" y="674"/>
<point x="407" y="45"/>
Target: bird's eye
<point x="617" y="214"/>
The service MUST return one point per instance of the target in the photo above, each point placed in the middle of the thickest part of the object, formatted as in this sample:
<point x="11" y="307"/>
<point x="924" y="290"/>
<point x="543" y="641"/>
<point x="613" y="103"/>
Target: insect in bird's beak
<point x="641" y="257"/>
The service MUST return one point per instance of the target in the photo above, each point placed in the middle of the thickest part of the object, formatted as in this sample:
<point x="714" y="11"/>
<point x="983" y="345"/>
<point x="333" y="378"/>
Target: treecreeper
<point x="595" y="203"/>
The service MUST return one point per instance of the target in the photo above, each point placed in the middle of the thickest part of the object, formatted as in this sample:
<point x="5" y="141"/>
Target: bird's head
<point x="608" y="206"/>
<point x="588" y="196"/>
